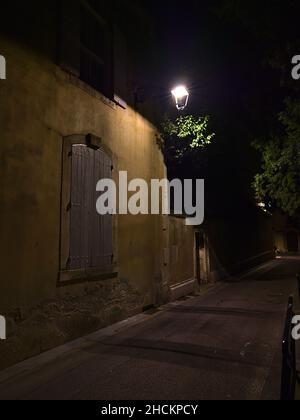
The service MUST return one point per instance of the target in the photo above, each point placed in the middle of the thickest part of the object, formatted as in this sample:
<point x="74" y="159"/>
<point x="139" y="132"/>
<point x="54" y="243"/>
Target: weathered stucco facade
<point x="50" y="102"/>
<point x="41" y="105"/>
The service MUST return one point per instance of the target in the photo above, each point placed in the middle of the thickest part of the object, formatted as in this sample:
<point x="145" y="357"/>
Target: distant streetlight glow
<point x="181" y="96"/>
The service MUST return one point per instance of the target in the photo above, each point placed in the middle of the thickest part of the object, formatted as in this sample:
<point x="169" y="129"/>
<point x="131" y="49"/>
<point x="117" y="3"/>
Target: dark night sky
<point x="223" y="61"/>
<point x="220" y="62"/>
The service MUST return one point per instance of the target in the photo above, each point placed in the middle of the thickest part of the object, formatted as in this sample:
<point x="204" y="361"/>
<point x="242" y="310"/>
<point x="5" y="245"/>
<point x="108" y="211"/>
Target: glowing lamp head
<point x="181" y="97"/>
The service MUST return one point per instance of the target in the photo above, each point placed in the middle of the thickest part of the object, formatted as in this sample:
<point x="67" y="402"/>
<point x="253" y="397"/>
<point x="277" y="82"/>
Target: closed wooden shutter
<point x="91" y="235"/>
<point x="102" y="239"/>
<point x="69" y="43"/>
<point x="81" y="203"/>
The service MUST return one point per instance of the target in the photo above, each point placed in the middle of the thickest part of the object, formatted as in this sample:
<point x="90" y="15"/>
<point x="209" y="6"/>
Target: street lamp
<point x="181" y="97"/>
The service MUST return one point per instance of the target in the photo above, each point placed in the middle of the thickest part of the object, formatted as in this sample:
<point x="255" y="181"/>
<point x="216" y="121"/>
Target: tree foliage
<point x="276" y="30"/>
<point x="184" y="138"/>
<point x="278" y="184"/>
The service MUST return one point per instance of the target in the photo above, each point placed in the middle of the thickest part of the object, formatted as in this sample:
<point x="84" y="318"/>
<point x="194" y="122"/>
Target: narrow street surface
<point x="225" y="344"/>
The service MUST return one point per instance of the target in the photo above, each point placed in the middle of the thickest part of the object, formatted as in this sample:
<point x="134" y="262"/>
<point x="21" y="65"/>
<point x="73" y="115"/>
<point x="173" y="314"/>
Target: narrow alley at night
<point x="150" y="203"/>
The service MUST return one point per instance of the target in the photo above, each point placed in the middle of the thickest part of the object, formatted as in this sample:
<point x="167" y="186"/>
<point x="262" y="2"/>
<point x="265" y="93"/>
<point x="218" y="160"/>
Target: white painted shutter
<point x="81" y="202"/>
<point x="91" y="235"/>
<point x="102" y="231"/>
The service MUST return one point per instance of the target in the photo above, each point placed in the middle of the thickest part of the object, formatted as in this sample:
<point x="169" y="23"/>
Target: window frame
<point x="108" y="60"/>
<point x="67" y="276"/>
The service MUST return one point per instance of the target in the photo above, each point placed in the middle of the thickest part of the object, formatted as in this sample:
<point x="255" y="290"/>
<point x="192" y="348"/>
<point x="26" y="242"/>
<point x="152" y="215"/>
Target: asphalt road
<point x="224" y="345"/>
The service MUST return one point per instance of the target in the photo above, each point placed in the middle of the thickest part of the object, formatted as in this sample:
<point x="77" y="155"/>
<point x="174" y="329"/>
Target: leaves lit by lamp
<point x="181" y="97"/>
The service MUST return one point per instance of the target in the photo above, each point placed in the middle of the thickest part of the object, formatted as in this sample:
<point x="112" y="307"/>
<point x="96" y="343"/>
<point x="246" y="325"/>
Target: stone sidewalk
<point x="223" y="345"/>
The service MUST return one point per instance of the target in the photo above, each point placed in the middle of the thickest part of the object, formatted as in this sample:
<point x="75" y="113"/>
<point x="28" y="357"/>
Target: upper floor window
<point x="96" y="46"/>
<point x="86" y="42"/>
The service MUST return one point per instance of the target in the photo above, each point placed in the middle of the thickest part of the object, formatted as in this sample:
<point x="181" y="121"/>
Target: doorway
<point x="292" y="242"/>
<point x="200" y="260"/>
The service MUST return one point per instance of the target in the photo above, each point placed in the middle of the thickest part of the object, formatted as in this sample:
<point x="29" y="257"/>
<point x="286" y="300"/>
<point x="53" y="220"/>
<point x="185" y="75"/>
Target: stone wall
<point x="40" y="104"/>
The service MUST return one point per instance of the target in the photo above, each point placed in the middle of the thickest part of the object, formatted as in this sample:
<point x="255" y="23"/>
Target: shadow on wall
<point x="237" y="243"/>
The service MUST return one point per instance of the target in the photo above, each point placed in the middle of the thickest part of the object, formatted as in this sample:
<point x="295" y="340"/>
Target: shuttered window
<point x="69" y="39"/>
<point x="96" y="47"/>
<point x="120" y="65"/>
<point x="102" y="225"/>
<point x="93" y="49"/>
<point x="91" y="235"/>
